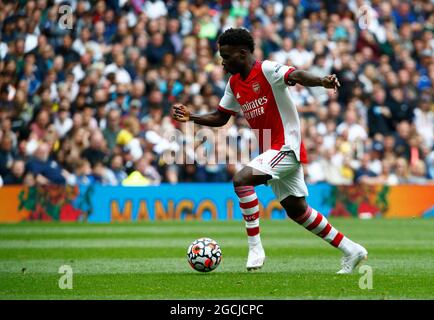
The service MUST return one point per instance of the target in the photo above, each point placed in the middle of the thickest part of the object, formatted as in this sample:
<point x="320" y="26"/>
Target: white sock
<point x="254" y="240"/>
<point x="346" y="246"/>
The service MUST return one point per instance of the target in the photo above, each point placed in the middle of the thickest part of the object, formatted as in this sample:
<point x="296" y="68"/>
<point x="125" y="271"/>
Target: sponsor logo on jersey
<point x="253" y="109"/>
<point x="254" y="104"/>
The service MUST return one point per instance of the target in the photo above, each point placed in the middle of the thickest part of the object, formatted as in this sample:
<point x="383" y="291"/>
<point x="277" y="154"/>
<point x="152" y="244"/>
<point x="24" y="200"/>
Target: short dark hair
<point x="237" y="37"/>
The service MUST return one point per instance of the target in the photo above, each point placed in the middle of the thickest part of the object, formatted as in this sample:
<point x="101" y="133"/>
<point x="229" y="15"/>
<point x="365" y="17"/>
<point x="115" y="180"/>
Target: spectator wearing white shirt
<point x="355" y="130"/>
<point x="300" y="57"/>
<point x="283" y="54"/>
<point x="79" y="70"/>
<point x="84" y="43"/>
<point x="62" y="121"/>
<point x="117" y="67"/>
<point x="424" y="121"/>
<point x="155" y="9"/>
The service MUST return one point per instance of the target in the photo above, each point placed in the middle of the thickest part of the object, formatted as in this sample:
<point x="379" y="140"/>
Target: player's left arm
<point x="308" y="79"/>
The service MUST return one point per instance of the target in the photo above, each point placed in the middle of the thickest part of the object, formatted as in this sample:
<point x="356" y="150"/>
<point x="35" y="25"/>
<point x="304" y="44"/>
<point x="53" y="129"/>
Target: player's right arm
<point x="217" y="118"/>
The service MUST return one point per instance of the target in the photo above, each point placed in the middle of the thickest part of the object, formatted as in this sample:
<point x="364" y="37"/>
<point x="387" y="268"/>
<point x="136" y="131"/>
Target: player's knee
<point x="239" y="180"/>
<point x="294" y="207"/>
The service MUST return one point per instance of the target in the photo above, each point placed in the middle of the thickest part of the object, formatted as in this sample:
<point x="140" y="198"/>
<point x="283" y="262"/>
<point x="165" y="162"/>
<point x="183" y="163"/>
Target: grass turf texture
<point x="148" y="261"/>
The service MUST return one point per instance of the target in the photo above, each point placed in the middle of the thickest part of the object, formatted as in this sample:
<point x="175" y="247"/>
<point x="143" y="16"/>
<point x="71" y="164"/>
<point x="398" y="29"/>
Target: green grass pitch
<point x="148" y="261"/>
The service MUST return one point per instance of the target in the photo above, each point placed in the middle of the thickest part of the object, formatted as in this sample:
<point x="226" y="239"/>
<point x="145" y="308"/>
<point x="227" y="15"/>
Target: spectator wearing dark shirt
<point x="379" y="114"/>
<point x="400" y="108"/>
<point x="66" y="50"/>
<point x="96" y="152"/>
<point x="6" y="155"/>
<point x="402" y="136"/>
<point x="403" y="14"/>
<point x="16" y="174"/>
<point x="43" y="168"/>
<point x="157" y="48"/>
<point x="363" y="174"/>
<point x="8" y="29"/>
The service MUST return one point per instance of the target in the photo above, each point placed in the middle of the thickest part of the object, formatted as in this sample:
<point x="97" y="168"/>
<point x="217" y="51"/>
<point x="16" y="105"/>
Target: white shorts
<point x="286" y="172"/>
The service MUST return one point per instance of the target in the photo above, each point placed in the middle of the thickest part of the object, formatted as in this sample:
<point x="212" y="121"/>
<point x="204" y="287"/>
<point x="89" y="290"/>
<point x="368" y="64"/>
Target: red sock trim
<point x="337" y="240"/>
<point x="248" y="205"/>
<point x="252" y="231"/>
<point x="325" y="231"/>
<point x="315" y="222"/>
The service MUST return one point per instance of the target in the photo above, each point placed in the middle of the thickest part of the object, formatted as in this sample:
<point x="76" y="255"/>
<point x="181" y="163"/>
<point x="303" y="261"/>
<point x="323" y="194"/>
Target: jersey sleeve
<point x="277" y="74"/>
<point x="228" y="103"/>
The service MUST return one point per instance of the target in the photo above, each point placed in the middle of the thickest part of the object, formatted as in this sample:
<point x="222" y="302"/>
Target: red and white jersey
<point x="267" y="105"/>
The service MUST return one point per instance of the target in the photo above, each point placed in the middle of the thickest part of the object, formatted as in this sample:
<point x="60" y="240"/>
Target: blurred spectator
<point x="144" y="173"/>
<point x="118" y="68"/>
<point x="103" y="175"/>
<point x="127" y="138"/>
<point x="67" y="51"/>
<point x="379" y="114"/>
<point x="387" y="176"/>
<point x="43" y="168"/>
<point x="96" y="152"/>
<point x="424" y="121"/>
<point x="6" y="154"/>
<point x="401" y="170"/>
<point x="417" y="173"/>
<point x="355" y="131"/>
<point x="157" y="48"/>
<point x="112" y="128"/>
<point x="400" y="109"/>
<point x="16" y="174"/>
<point x="402" y="140"/>
<point x="364" y="174"/>
<point x="82" y="173"/>
<point x="116" y="165"/>
<point x="39" y="127"/>
<point x="62" y="121"/>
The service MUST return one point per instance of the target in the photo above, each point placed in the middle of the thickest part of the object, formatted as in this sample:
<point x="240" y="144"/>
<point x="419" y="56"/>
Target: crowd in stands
<point x="91" y="103"/>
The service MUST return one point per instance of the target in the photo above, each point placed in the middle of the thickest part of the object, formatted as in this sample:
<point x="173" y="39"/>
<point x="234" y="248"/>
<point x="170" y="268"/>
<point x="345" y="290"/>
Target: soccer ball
<point x="204" y="254"/>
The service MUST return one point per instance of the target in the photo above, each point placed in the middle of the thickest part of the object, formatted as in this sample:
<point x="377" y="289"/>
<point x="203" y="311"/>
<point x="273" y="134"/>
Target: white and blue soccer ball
<point x="204" y="254"/>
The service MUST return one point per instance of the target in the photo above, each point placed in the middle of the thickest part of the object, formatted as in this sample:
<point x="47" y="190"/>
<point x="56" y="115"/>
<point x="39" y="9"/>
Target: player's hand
<point x="180" y="112"/>
<point x="331" y="82"/>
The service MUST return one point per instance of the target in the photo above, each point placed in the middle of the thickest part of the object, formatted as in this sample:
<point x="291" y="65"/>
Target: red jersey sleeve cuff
<point x="285" y="77"/>
<point x="233" y="113"/>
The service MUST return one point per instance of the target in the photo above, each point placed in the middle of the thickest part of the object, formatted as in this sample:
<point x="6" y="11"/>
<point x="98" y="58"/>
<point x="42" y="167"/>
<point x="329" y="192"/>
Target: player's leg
<point x="244" y="182"/>
<point x="299" y="211"/>
<point x="291" y="190"/>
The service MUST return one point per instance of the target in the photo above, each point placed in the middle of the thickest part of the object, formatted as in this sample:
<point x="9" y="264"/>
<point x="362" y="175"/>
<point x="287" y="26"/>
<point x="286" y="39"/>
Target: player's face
<point x="233" y="58"/>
